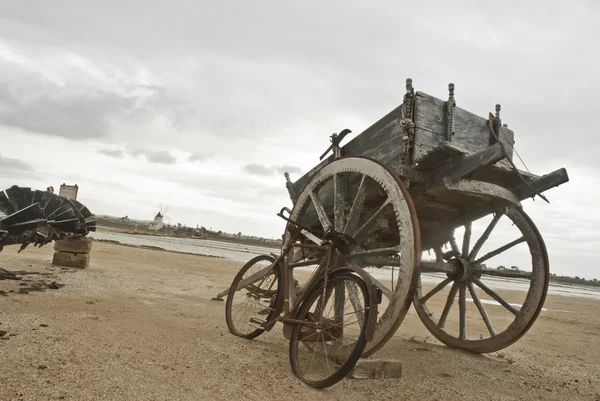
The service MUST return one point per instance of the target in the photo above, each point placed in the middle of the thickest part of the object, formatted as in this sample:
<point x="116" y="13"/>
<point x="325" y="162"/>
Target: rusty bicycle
<point x="328" y="322"/>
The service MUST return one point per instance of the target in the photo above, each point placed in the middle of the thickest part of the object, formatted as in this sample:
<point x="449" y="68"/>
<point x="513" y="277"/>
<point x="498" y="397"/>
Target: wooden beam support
<point x="483" y="190"/>
<point x="543" y="183"/>
<point x="408" y="172"/>
<point x="459" y="170"/>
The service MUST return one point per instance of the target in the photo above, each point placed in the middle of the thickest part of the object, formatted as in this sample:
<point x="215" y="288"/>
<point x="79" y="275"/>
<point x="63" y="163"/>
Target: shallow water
<point x="242" y="252"/>
<point x="226" y="250"/>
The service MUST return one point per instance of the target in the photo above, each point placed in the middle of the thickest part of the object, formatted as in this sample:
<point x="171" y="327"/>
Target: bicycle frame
<point x="284" y="311"/>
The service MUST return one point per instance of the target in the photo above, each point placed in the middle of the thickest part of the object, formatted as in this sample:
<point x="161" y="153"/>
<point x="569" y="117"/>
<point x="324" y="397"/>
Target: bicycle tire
<point x="361" y="342"/>
<point x="276" y="306"/>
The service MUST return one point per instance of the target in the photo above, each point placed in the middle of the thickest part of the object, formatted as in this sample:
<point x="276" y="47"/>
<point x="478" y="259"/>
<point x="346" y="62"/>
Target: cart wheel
<point x="367" y="202"/>
<point x="504" y="301"/>
<point x="257" y="300"/>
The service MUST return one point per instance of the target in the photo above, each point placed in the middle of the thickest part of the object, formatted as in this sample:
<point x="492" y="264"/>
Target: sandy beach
<point x="139" y="324"/>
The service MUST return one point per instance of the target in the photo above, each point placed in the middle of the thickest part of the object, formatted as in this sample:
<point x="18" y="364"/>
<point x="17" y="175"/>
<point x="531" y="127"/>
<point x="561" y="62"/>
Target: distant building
<point x="157" y="223"/>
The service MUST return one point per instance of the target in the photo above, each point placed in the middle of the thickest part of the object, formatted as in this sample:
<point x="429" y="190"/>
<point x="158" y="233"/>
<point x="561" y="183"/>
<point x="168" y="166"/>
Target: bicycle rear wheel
<point x="322" y="356"/>
<point x="254" y="297"/>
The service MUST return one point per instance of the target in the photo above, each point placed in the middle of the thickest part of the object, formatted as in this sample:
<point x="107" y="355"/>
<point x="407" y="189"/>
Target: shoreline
<point x="122" y="230"/>
<point x="155" y="248"/>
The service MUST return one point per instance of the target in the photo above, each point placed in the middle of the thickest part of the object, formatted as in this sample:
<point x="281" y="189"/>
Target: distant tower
<point x="157" y="223"/>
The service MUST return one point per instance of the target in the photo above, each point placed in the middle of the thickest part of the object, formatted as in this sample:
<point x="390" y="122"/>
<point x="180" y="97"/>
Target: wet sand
<point x="139" y="324"/>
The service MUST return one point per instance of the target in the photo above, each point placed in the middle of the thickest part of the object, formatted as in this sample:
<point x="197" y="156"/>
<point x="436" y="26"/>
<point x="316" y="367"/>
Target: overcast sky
<point x="203" y="105"/>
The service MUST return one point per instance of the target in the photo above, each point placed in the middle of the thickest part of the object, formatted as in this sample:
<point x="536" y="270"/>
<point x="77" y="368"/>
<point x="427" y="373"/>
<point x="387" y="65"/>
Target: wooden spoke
<point x="497" y="297"/>
<point x="449" y="302"/>
<point x="462" y="308"/>
<point x="358" y="234"/>
<point x="454" y="245"/>
<point x="481" y="309"/>
<point x="466" y="240"/>
<point x="435" y="290"/>
<point x="484" y="237"/>
<point x="339" y="203"/>
<point x="325" y="223"/>
<point x="359" y="199"/>
<point x="386" y="292"/>
<point x="500" y="250"/>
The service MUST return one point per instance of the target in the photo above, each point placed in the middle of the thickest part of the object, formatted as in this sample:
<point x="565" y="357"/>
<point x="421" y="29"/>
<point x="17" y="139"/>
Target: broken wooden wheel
<point x="39" y="217"/>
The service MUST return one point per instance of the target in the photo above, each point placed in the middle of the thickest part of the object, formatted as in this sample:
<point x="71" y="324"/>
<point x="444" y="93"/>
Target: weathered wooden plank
<point x="471" y="132"/>
<point x="444" y="153"/>
<point x="29" y="213"/>
<point x="382" y="141"/>
<point x="19" y="196"/>
<point x="12" y="194"/>
<point x="5" y="205"/>
<point x="461" y="169"/>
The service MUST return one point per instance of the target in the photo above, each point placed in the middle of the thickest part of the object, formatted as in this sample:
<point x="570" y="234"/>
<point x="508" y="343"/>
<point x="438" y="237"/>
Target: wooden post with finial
<point x="497" y="124"/>
<point x="450" y="106"/>
<point x="290" y="187"/>
<point x="407" y="123"/>
<point x="408" y="99"/>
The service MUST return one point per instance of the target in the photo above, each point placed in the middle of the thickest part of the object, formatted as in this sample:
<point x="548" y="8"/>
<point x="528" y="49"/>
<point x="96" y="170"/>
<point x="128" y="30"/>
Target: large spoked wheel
<point x="323" y="353"/>
<point x="367" y="202"/>
<point x="254" y="297"/>
<point x="500" y="294"/>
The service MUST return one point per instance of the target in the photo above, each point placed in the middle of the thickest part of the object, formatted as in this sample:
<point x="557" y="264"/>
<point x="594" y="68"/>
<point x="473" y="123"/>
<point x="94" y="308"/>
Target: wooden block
<point x="376" y="368"/>
<point x="67" y="259"/>
<point x="77" y="245"/>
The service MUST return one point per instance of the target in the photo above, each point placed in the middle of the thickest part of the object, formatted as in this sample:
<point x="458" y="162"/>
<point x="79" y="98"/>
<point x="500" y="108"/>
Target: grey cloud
<point x="155" y="156"/>
<point x="198" y="156"/>
<point x="112" y="152"/>
<point x="259" y="169"/>
<point x="31" y="103"/>
<point x="7" y="163"/>
<point x="236" y="86"/>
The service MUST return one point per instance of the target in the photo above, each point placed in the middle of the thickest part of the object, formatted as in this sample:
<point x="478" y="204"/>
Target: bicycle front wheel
<point x="322" y="354"/>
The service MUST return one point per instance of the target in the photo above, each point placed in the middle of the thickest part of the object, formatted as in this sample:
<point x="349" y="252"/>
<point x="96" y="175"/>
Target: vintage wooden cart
<point x="454" y="169"/>
<point x="424" y="178"/>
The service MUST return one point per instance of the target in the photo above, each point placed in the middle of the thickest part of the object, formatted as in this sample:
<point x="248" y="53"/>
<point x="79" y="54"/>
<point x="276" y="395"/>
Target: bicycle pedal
<point x="256" y="326"/>
<point x="257" y="320"/>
